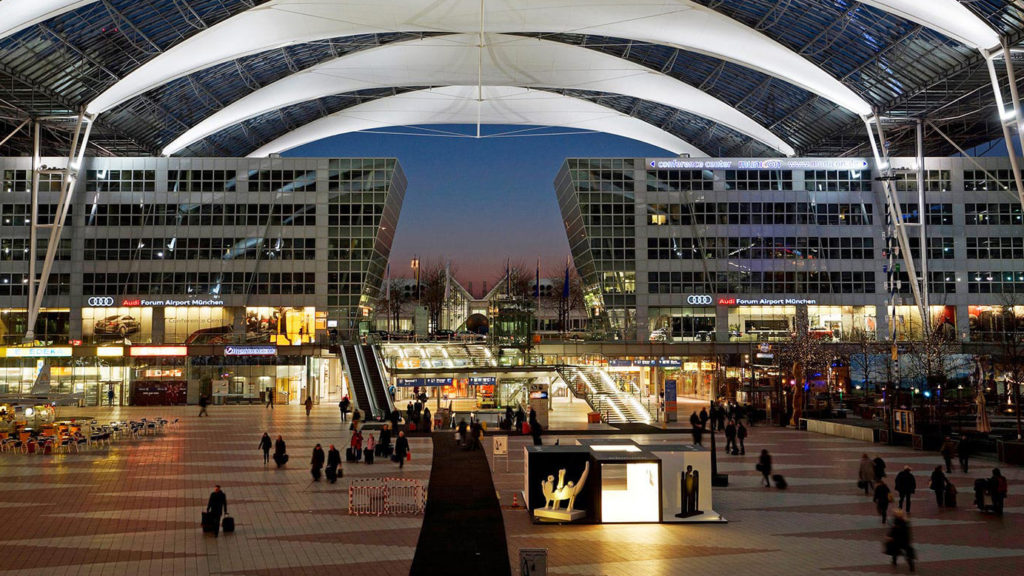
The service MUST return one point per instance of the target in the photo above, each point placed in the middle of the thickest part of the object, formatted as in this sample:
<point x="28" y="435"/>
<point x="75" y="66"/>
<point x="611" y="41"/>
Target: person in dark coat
<point x="704" y="418"/>
<point x="426" y="423"/>
<point x="463" y="430"/>
<point x="204" y="401"/>
<point x="217" y="506"/>
<point x="764" y="466"/>
<point x="395" y="417"/>
<point x="510" y="416"/>
<point x="937" y="484"/>
<point x="385" y="440"/>
<point x="265" y="444"/>
<point x="948" y="450"/>
<point x="879" y="465"/>
<point x="401" y="448"/>
<point x="963" y="452"/>
<point x="881" y="499"/>
<point x="741" y="434"/>
<point x="317" y="462"/>
<point x="280" y="451"/>
<point x="694" y="419"/>
<point x="520" y="418"/>
<point x="343" y="407"/>
<point x="905" y="486"/>
<point x="866" y="474"/>
<point x="698" y="433"/>
<point x="536" y="430"/>
<point x="898" y="541"/>
<point x="997" y="488"/>
<point x="333" y="462"/>
<point x="309" y="407"/>
<point x="533" y="417"/>
<point x="730" y="438"/>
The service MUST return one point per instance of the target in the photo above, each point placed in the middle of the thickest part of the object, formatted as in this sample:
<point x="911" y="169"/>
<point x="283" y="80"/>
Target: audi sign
<point x="699" y="300"/>
<point x="101" y="301"/>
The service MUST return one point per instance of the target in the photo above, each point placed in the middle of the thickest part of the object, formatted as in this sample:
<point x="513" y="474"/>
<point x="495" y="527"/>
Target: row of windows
<point x="758" y="179"/>
<point x="21" y="181"/>
<point x="995" y="282"/>
<point x="349" y="248"/>
<point x="282" y="180"/>
<point x="201" y="181"/>
<point x="17" y="249"/>
<point x="16" y="284"/>
<point x="120" y="181"/>
<point x="996" y="248"/>
<point x="757" y="248"/>
<point x="837" y="180"/>
<point x="109" y="249"/>
<point x="613" y="248"/>
<point x="938" y="214"/>
<point x="759" y="213"/>
<point x="993" y="214"/>
<point x="183" y="283"/>
<point x="934" y="181"/>
<point x="938" y="283"/>
<point x="201" y="215"/>
<point x="939" y="248"/>
<point x="761" y="282"/>
<point x="679" y="180"/>
<point x="354" y="214"/>
<point x="21" y="214"/>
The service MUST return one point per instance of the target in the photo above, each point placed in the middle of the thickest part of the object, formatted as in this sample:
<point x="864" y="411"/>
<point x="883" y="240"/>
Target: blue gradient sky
<point x="480" y="201"/>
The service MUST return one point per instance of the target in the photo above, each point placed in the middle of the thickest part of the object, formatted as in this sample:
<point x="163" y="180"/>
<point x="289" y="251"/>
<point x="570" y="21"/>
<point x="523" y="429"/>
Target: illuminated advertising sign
<point x="766" y="301"/>
<point x="48" y="352"/>
<point x="189" y="301"/>
<point x="408" y="382"/>
<point x="109" y="351"/>
<point x="645" y="363"/>
<point x="482" y="381"/>
<point x="699" y="300"/>
<point x="758" y="164"/>
<point x="250" y="350"/>
<point x="136" y="351"/>
<point x="438" y="381"/>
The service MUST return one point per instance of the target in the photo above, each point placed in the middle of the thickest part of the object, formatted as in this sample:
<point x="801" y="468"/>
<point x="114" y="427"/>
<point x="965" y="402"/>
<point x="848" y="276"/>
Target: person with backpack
<point x="264" y="445"/>
<point x="997" y="489"/>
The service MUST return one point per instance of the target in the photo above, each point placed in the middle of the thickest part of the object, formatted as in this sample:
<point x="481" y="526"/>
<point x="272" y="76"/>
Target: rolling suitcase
<point x="280" y="459"/>
<point x="332" y="474"/>
<point x="208" y="523"/>
<point x="368" y="456"/>
<point x="350" y="455"/>
<point x="780" y="482"/>
<point x="949" y="497"/>
<point x="228" y="524"/>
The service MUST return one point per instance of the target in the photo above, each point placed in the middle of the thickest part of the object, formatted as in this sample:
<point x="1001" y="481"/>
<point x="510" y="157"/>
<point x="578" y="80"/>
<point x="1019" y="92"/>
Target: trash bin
<point x="593" y="418"/>
<point x="533" y="561"/>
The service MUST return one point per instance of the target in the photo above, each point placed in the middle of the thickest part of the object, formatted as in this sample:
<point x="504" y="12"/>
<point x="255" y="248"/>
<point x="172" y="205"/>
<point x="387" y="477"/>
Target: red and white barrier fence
<point x="386" y="496"/>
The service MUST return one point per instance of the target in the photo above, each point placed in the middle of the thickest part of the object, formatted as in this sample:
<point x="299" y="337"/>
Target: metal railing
<point x="386" y="496"/>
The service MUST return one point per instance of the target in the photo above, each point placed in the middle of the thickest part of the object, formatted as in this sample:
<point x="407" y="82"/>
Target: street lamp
<point x="416" y="271"/>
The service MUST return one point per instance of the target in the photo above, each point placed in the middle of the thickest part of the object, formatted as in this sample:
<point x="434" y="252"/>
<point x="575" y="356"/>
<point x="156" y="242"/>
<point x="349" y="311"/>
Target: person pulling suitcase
<point x="216" y="506"/>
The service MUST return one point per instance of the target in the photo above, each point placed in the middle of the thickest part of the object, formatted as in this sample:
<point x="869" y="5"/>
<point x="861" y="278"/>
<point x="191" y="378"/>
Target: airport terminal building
<point x="747" y="249"/>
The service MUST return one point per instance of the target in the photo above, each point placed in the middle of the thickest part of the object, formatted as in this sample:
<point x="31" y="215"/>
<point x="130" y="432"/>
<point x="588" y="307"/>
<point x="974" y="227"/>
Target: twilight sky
<point x="479" y="201"/>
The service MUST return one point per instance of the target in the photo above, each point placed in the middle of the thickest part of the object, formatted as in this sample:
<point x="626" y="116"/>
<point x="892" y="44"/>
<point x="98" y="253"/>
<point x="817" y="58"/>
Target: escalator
<point x="355" y="372"/>
<point x="375" y="380"/>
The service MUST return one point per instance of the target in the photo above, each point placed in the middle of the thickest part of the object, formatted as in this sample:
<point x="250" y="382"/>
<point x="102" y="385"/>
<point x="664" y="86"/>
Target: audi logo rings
<point x="699" y="300"/>
<point x="101" y="301"/>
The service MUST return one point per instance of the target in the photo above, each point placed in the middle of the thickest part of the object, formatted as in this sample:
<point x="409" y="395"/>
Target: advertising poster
<point x="124" y="323"/>
<point x="280" y="325"/>
<point x="198" y="324"/>
<point x="670" y="401"/>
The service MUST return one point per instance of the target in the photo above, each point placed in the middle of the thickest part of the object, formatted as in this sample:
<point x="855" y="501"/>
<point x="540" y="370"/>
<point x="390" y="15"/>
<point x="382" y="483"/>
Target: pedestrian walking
<point x="764" y="466"/>
<point x="265" y="445"/>
<point x="882" y="498"/>
<point x="280" y="452"/>
<point x="316" y="463"/>
<point x="937" y="484"/>
<point x="110" y="396"/>
<point x="333" y="462"/>
<point x="216" y="507"/>
<point x="704" y="418"/>
<point x="427" y="421"/>
<point x="343" y="407"/>
<point x="698" y="433"/>
<point x="270" y="398"/>
<point x="401" y="449"/>
<point x="963" y="452"/>
<point x="898" y="540"/>
<point x="204" y="401"/>
<point x="309" y="404"/>
<point x="879" y="466"/>
<point x="997" y="488"/>
<point x="741" y="434"/>
<point x="905" y="486"/>
<point x="730" y="438"/>
<point x="948" y="450"/>
<point x="866" y="475"/>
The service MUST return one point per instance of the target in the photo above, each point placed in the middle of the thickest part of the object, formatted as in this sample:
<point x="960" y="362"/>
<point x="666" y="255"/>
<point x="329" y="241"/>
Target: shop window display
<point x="283" y="326"/>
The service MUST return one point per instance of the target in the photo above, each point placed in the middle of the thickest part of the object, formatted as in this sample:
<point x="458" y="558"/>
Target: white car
<point x="660" y="335"/>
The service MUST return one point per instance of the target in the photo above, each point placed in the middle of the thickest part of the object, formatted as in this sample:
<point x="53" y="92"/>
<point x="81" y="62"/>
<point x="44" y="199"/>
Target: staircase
<point x="480" y="355"/>
<point x="603" y="396"/>
<point x="376" y="380"/>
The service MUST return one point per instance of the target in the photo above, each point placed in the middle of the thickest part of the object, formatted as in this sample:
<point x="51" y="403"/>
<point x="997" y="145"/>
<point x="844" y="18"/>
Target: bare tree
<point x="802" y="353"/>
<point x="433" y="278"/>
<point x="390" y="302"/>
<point x="568" y="300"/>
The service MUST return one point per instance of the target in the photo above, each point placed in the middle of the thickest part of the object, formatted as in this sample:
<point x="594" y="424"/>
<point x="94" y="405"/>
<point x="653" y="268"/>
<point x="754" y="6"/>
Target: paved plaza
<point x="134" y="508"/>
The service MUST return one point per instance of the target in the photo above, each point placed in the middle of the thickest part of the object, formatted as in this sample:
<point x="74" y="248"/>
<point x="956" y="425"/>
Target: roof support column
<point x="13" y="132"/>
<point x="896" y="225"/>
<point x="76" y="155"/>
<point x="1011" y="151"/>
<point x="921" y="208"/>
<point x="1015" y="106"/>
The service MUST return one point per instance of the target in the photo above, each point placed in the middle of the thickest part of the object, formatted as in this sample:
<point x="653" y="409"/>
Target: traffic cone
<point x="515" y="499"/>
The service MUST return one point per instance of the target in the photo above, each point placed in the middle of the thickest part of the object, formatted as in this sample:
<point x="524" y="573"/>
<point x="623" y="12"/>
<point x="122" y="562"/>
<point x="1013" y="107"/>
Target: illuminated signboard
<point x="758" y="164"/>
<point x="48" y="352"/>
<point x="766" y="301"/>
<point x="409" y="382"/>
<point x="438" y="381"/>
<point x="482" y="381"/>
<point x="109" y="351"/>
<point x="190" y="301"/>
<point x="250" y="350"/>
<point x="164" y="373"/>
<point x="136" y="351"/>
<point x="645" y="363"/>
